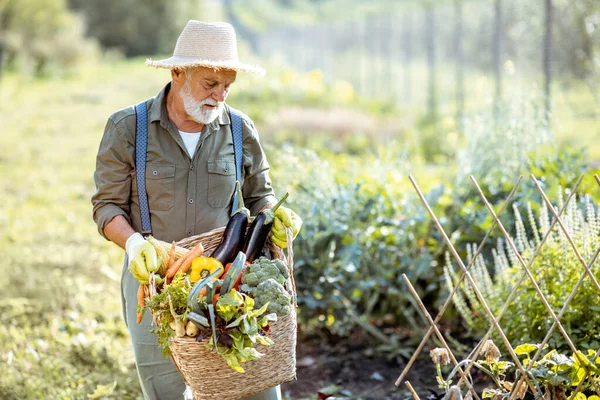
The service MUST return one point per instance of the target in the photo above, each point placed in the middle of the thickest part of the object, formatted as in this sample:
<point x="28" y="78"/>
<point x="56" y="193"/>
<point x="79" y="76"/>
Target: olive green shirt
<point x="186" y="196"/>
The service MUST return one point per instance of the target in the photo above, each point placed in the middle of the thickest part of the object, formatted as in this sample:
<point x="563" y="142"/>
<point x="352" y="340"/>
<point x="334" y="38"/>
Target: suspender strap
<point x="141" y="145"/>
<point x="236" y="132"/>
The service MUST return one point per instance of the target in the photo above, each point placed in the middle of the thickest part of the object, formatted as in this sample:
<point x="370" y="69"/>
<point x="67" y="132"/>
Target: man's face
<point x="204" y="91"/>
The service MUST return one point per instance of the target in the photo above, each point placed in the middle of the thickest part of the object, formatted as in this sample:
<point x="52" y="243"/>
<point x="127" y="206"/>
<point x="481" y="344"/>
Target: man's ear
<point x="177" y="76"/>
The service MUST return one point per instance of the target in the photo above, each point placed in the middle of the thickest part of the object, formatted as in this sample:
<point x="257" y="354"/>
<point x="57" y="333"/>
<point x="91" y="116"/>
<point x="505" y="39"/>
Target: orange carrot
<point x="171" y="255"/>
<point x="194" y="253"/>
<point x="175" y="266"/>
<point x="141" y="302"/>
<point x="184" y="262"/>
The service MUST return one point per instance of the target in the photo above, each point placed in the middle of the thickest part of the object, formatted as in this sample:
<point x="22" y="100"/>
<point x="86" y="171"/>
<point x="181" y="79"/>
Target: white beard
<point x="194" y="109"/>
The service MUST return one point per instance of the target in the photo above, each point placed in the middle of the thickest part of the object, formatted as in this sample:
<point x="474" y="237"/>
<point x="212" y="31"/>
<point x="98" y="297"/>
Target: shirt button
<point x="192" y="168"/>
<point x="189" y="233"/>
<point x="154" y="173"/>
<point x="191" y="201"/>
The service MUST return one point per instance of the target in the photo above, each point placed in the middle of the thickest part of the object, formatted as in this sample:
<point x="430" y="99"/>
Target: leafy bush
<point x="497" y="151"/>
<point x="358" y="238"/>
<point x="556" y="269"/>
<point x="362" y="232"/>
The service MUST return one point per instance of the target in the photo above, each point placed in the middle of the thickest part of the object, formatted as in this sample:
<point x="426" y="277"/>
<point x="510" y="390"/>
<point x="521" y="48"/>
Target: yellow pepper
<point x="203" y="267"/>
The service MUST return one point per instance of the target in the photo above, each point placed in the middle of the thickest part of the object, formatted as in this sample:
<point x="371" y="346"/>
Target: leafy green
<point x="229" y="304"/>
<point x="555" y="374"/>
<point x="176" y="293"/>
<point x="248" y="326"/>
<point x="526" y="348"/>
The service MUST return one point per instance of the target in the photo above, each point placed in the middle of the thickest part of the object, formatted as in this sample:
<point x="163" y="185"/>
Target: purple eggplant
<point x="235" y="231"/>
<point x="259" y="230"/>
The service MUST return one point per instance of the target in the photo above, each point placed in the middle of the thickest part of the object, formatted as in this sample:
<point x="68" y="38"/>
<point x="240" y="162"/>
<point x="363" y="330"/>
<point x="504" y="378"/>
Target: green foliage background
<point x="343" y="156"/>
<point x="364" y="226"/>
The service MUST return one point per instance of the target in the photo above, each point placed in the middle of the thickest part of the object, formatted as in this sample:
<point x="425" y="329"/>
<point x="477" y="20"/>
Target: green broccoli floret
<point x="247" y="288"/>
<point x="282" y="268"/>
<point x="262" y="269"/>
<point x="270" y="291"/>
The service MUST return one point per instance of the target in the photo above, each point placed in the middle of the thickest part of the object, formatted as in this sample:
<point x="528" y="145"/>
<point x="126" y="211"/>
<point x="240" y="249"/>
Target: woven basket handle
<point x="290" y="259"/>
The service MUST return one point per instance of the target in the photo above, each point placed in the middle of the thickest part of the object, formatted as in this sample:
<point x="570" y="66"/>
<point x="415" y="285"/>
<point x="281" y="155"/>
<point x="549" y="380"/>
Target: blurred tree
<point x="240" y="28"/>
<point x="4" y="18"/>
<point x="460" y="62"/>
<point x="430" y="45"/>
<point x="137" y="27"/>
<point x="497" y="56"/>
<point x="35" y="34"/>
<point x="547" y="61"/>
<point x="578" y="40"/>
<point x="408" y="55"/>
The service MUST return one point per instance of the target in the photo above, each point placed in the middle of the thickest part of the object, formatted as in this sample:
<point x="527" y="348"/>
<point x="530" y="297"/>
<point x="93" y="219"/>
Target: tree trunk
<point x="430" y="45"/>
<point x="362" y="51"/>
<point x="377" y="54"/>
<point x="458" y="39"/>
<point x="1" y="58"/>
<point x="498" y="57"/>
<point x="329" y="51"/>
<point x="547" y="63"/>
<point x="390" y="57"/>
<point x="407" y="57"/>
<point x="241" y="30"/>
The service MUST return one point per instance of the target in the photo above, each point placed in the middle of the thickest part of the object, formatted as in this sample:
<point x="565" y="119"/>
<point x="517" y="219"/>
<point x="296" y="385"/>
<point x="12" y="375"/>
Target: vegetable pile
<point x="228" y="303"/>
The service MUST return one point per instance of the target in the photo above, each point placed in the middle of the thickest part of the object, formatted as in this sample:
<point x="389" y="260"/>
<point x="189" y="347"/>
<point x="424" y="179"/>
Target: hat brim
<point x="183" y="62"/>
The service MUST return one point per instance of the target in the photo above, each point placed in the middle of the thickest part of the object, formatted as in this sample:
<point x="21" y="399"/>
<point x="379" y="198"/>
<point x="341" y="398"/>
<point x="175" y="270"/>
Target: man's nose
<point x="220" y="94"/>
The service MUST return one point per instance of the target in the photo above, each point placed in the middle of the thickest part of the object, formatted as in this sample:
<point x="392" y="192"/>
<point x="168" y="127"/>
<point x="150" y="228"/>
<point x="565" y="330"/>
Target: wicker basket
<point x="207" y="373"/>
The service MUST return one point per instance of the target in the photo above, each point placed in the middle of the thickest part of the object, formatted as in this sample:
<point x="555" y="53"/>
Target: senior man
<point x="190" y="174"/>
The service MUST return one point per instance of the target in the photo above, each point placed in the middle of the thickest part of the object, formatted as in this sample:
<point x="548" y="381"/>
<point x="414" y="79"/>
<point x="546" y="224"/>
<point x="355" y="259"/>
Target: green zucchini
<point x="232" y="274"/>
<point x="211" y="312"/>
<point x="198" y="320"/>
<point x="192" y="299"/>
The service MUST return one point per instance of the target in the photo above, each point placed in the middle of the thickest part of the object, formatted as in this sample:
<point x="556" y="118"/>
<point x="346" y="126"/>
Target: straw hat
<point x="206" y="44"/>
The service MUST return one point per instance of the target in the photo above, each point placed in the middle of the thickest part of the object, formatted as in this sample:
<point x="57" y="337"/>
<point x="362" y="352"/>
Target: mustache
<point x="210" y="102"/>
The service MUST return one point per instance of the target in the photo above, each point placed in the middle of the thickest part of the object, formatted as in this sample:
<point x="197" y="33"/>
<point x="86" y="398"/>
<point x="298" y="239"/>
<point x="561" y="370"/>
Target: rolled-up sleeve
<point x="257" y="189"/>
<point x="112" y="177"/>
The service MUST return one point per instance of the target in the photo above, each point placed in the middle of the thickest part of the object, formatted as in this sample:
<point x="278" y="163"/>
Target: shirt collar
<point x="158" y="110"/>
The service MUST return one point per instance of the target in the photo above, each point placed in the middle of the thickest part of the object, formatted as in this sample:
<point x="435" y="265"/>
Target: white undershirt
<point x="190" y="139"/>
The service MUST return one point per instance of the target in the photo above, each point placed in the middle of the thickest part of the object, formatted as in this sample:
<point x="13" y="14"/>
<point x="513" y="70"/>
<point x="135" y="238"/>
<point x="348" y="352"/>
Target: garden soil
<point x="350" y="369"/>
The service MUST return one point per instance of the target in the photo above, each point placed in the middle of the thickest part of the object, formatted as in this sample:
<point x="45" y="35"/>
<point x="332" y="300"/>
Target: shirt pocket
<point x="160" y="186"/>
<point x="221" y="183"/>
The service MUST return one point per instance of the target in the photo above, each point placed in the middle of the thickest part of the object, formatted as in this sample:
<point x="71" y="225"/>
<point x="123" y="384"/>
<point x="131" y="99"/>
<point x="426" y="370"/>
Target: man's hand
<point x="285" y="218"/>
<point x="142" y="258"/>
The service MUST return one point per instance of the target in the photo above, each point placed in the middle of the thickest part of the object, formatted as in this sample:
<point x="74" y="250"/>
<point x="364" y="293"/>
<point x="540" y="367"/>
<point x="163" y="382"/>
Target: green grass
<point x="60" y="324"/>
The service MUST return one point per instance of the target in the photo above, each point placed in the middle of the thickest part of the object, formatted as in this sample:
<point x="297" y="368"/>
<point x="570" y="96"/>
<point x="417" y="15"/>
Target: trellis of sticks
<point x="525" y="375"/>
